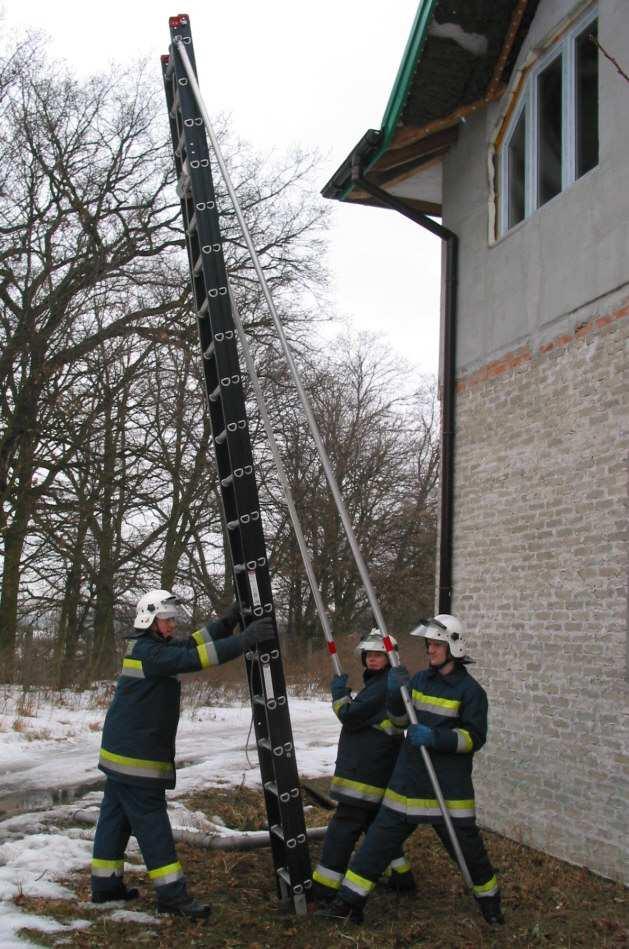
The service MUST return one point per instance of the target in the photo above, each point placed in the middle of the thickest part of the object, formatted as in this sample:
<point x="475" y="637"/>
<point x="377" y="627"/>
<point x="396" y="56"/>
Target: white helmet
<point x="447" y="629"/>
<point x="160" y="603"/>
<point x="373" y="641"/>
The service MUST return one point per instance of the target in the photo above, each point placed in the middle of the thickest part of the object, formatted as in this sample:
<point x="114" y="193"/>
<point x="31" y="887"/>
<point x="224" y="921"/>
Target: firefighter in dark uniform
<point x="138" y="746"/>
<point x="367" y="751"/>
<point x="451" y="712"/>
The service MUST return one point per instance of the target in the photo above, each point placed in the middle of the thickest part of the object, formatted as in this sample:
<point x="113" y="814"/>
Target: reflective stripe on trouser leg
<point x="146" y="809"/>
<point x="400" y="865"/>
<point x="326" y="877"/>
<point x="110" y="841"/>
<point x="382" y="844"/>
<point x="473" y="849"/>
<point x="163" y="876"/>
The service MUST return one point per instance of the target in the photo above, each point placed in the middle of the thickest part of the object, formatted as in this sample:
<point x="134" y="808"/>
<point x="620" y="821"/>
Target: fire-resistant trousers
<point x="384" y="841"/>
<point x="128" y="809"/>
<point x="348" y="823"/>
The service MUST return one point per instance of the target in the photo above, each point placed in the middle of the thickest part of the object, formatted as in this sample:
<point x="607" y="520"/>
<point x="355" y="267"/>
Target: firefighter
<point x="368" y="747"/>
<point x="138" y="746"/>
<point x="451" y="712"/>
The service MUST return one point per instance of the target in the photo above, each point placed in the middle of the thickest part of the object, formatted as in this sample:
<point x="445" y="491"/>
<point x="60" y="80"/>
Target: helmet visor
<point x="430" y="629"/>
<point x="168" y="608"/>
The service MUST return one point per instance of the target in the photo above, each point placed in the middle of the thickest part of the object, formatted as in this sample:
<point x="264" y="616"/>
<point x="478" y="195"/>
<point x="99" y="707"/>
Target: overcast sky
<point x="288" y="73"/>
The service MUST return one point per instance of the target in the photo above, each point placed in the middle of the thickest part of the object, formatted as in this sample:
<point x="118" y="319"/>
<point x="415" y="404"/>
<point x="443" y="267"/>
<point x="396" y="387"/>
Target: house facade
<point x="510" y="121"/>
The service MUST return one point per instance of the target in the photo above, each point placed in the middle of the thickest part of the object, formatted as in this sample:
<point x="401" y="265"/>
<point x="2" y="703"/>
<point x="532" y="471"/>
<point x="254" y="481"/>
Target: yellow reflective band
<point x="487" y="888"/>
<point x="428" y="803"/>
<point x="358" y="883"/>
<point x="369" y="791"/>
<point x="389" y="728"/>
<point x="452" y="705"/>
<point x="98" y="864"/>
<point x="319" y="877"/>
<point x="206" y="658"/>
<point x="464" y="740"/>
<point x="401" y="865"/>
<point x="131" y="663"/>
<point x="165" y="871"/>
<point x="161" y="766"/>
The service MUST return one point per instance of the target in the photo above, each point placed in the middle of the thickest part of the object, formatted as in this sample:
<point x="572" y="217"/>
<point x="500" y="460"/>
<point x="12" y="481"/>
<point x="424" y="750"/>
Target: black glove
<point x="260" y="631"/>
<point x="231" y="617"/>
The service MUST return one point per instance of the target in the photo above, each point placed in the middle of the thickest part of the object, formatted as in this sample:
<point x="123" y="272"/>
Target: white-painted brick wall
<point x="540" y="578"/>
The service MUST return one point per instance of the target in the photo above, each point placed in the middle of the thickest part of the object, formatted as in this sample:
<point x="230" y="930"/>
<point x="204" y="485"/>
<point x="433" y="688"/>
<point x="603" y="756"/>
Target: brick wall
<point x="540" y="577"/>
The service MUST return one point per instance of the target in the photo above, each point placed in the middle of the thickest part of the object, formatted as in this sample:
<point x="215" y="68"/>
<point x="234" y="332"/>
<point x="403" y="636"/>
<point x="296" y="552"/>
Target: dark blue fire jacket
<point x="138" y="744"/>
<point x="368" y="746"/>
<point x="455" y="707"/>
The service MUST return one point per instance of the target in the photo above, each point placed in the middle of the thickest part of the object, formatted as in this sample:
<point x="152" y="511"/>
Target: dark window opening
<point x="516" y="172"/>
<point x="549" y="92"/>
<point x="586" y="64"/>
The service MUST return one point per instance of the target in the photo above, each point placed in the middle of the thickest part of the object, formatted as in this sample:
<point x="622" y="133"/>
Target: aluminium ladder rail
<point x="234" y="460"/>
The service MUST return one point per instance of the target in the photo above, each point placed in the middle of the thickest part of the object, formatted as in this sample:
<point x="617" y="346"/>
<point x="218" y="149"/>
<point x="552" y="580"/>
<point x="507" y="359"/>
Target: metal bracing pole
<point x="288" y="495"/>
<point x="325" y="461"/>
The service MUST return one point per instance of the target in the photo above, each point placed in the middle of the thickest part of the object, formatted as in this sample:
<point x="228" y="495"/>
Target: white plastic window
<point x="552" y="137"/>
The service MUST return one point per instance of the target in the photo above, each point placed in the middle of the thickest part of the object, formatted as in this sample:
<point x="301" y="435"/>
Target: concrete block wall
<point x="540" y="577"/>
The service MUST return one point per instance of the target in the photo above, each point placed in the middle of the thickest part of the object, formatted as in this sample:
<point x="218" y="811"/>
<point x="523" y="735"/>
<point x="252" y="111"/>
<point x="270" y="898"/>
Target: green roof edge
<point x="405" y="73"/>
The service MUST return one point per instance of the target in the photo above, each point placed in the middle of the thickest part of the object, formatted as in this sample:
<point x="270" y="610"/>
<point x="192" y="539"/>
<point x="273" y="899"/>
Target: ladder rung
<point x="175" y="106"/>
<point x="215" y="394"/>
<point x="277" y="830"/>
<point x="228" y="481"/>
<point x="205" y="306"/>
<point x="282" y="872"/>
<point x="232" y="525"/>
<point x="259" y="700"/>
<point x="209" y="351"/>
<point x="192" y="224"/>
<point x="197" y="265"/>
<point x="239" y="568"/>
<point x="220" y="438"/>
<point x="265" y="743"/>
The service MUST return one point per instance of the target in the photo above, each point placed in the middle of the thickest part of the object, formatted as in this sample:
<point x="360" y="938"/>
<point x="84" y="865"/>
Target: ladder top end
<point x="182" y="19"/>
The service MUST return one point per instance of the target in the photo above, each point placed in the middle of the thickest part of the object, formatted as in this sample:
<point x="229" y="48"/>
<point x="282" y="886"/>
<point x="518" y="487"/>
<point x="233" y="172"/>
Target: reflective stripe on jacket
<point x="368" y="745"/>
<point x="138" y="744"/>
<point x="455" y="707"/>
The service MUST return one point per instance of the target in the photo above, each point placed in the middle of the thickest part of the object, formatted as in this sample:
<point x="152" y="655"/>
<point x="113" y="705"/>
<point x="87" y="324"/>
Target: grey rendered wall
<point x="572" y="250"/>
<point x="540" y="517"/>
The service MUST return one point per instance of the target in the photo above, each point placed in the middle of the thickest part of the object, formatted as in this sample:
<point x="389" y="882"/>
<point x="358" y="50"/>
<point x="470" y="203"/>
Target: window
<point x="552" y="137"/>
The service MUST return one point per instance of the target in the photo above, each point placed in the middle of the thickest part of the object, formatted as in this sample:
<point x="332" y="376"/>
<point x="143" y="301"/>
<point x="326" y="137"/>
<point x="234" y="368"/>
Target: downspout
<point x="449" y="368"/>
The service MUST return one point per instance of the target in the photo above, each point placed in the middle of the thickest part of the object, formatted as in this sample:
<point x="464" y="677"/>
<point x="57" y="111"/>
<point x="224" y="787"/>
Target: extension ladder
<point x="234" y="461"/>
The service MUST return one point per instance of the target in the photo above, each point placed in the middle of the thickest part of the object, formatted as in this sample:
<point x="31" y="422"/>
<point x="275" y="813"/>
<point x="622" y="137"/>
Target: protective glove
<point x="260" y="631"/>
<point x="421" y="736"/>
<point x="338" y="686"/>
<point x="231" y="617"/>
<point x="397" y="677"/>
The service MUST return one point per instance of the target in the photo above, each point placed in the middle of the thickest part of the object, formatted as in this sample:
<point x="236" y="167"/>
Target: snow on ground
<point x="48" y="755"/>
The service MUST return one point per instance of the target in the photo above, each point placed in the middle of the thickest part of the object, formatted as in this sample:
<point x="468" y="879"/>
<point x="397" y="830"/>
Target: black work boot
<point x="402" y="883"/>
<point x="322" y="895"/>
<point x="340" y="910"/>
<point x="120" y="892"/>
<point x="184" y="906"/>
<point x="490" y="908"/>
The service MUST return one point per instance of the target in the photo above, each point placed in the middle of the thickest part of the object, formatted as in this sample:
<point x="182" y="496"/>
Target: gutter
<point x="451" y="278"/>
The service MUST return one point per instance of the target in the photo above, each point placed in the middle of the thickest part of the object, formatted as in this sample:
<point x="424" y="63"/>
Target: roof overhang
<point x="458" y="57"/>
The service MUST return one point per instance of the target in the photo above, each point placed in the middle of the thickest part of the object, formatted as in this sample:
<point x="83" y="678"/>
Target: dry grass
<point x="547" y="902"/>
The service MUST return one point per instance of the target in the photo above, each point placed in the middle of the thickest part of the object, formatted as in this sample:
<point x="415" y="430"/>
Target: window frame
<point x="528" y="103"/>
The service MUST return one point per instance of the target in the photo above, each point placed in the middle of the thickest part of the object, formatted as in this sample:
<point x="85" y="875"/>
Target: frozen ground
<point x="48" y="754"/>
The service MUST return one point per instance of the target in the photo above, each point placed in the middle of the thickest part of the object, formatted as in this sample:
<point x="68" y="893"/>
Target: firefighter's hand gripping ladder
<point x="188" y="116"/>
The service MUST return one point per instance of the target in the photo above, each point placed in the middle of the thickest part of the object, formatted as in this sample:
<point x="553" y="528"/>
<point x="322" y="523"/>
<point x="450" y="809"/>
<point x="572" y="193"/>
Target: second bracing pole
<point x="325" y="461"/>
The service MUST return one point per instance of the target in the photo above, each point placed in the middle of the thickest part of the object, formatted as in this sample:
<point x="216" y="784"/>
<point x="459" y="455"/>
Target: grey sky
<point x="315" y="75"/>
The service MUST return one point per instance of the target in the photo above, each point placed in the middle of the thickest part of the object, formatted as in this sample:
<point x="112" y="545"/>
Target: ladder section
<point x="234" y="462"/>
